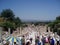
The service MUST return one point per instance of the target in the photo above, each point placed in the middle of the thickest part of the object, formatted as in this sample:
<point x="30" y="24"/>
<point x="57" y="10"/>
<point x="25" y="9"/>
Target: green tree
<point x="10" y="21"/>
<point x="7" y="14"/>
<point x="58" y="31"/>
<point x="58" y="18"/>
<point x="55" y="25"/>
<point x="17" y="22"/>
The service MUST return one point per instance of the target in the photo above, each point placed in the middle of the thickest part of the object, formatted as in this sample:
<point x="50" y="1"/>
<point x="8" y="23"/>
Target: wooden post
<point x="20" y="30"/>
<point x="9" y="31"/>
<point x="1" y="36"/>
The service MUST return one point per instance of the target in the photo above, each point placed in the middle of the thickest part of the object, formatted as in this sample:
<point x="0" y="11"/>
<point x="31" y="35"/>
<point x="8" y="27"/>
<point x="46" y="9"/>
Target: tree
<point x="58" y="31"/>
<point x="56" y="21"/>
<point x="58" y="18"/>
<point x="55" y="25"/>
<point x="17" y="22"/>
<point x="10" y="21"/>
<point x="7" y="14"/>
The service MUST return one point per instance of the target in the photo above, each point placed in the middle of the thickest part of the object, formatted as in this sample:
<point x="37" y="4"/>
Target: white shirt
<point x="57" y="39"/>
<point x="28" y="41"/>
<point x="10" y="43"/>
<point x="4" y="42"/>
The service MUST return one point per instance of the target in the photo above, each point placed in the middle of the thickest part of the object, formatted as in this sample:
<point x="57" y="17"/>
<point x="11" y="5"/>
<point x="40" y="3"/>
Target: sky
<point x="33" y="9"/>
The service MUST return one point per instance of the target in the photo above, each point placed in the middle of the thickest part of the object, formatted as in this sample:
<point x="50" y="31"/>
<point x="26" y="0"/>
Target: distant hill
<point x="34" y="21"/>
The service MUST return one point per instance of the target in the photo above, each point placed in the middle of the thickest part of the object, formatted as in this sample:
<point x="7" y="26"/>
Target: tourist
<point x="37" y="41"/>
<point x="28" y="43"/>
<point x="4" y="42"/>
<point x="49" y="38"/>
<point x="23" y="40"/>
<point x="7" y="43"/>
<point x="51" y="41"/>
<point x="14" y="43"/>
<point x="57" y="40"/>
<point x="10" y="43"/>
<point x="43" y="40"/>
<point x="46" y="40"/>
<point x="31" y="40"/>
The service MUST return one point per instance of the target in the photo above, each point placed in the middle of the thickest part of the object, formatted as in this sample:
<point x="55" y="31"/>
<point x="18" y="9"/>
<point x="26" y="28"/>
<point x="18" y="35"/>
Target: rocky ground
<point x="29" y="29"/>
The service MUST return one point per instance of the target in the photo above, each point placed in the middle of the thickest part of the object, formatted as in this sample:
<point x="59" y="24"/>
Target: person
<point x="43" y="40"/>
<point x="47" y="30"/>
<point x="31" y="40"/>
<point x="46" y="40"/>
<point x="51" y="41"/>
<point x="7" y="43"/>
<point x="23" y="40"/>
<point x="49" y="38"/>
<point x="4" y="42"/>
<point x="54" y="40"/>
<point x="15" y="43"/>
<point x="28" y="43"/>
<point x="10" y="43"/>
<point x="57" y="40"/>
<point x="37" y="41"/>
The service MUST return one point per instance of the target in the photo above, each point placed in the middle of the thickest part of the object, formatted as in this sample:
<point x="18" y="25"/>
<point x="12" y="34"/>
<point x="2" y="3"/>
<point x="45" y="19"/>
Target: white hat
<point x="28" y="41"/>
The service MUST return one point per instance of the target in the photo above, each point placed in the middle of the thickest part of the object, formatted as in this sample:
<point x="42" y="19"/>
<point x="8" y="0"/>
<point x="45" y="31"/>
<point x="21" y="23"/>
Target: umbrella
<point x="7" y="38"/>
<point x="12" y="39"/>
<point x="19" y="40"/>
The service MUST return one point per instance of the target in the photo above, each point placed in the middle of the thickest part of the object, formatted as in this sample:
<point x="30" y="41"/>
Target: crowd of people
<point x="39" y="40"/>
<point x="45" y="40"/>
<point x="36" y="39"/>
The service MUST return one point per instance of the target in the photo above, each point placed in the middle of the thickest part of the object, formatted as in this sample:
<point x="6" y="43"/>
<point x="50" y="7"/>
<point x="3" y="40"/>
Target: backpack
<point x="22" y="40"/>
<point x="36" y="41"/>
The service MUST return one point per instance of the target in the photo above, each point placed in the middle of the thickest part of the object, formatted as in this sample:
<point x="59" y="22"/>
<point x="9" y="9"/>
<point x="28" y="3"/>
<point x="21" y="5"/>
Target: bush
<point x="55" y="30"/>
<point x="58" y="32"/>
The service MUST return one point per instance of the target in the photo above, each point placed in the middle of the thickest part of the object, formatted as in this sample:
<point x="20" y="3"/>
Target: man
<point x="23" y="40"/>
<point x="31" y="40"/>
<point x="43" y="40"/>
<point x="52" y="41"/>
<point x="37" y="41"/>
